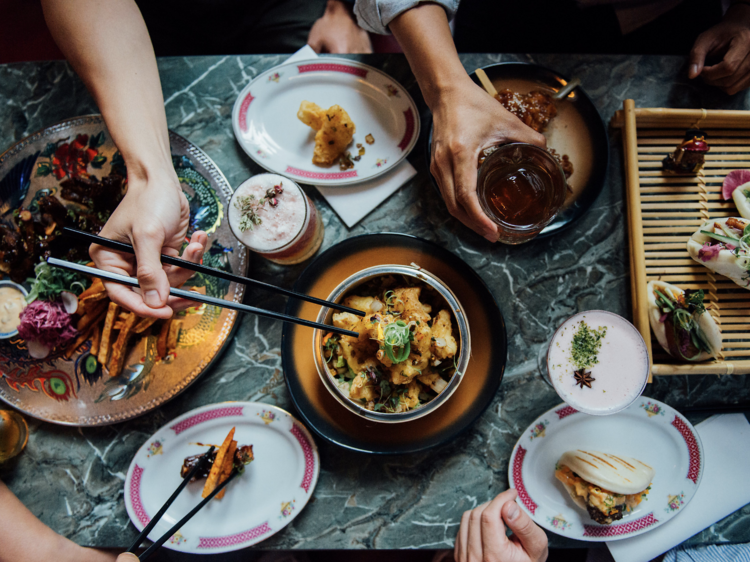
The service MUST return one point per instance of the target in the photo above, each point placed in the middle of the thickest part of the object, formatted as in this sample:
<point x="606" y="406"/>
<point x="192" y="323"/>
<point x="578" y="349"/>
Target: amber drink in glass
<point x="14" y="433"/>
<point x="521" y="187"/>
<point x="272" y="216"/>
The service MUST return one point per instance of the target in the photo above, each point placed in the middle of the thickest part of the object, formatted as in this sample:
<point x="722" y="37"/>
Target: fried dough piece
<point x="217" y="469"/>
<point x="334" y="136"/>
<point x="310" y="114"/>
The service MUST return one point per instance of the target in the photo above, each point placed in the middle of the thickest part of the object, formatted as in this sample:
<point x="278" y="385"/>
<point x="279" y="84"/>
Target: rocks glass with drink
<point x="271" y="215"/>
<point x="521" y="188"/>
<point x="597" y="362"/>
<point x="14" y="433"/>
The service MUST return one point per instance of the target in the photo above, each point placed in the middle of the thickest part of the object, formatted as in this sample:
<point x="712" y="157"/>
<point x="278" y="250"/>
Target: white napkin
<point x="353" y="203"/>
<point x="724" y="488"/>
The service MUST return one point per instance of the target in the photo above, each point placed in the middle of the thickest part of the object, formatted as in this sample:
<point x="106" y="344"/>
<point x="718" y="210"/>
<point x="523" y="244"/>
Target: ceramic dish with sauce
<point x="12" y="302"/>
<point x="413" y="349"/>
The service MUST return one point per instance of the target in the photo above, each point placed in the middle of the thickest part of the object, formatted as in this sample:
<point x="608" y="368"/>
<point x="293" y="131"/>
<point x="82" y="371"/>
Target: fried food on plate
<point x="335" y="131"/>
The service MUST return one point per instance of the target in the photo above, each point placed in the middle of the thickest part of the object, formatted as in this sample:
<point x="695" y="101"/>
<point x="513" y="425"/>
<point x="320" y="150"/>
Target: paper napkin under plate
<point x="352" y="203"/>
<point x="724" y="488"/>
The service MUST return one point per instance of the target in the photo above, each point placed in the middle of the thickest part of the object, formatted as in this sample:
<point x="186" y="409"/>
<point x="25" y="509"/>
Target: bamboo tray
<point x="664" y="211"/>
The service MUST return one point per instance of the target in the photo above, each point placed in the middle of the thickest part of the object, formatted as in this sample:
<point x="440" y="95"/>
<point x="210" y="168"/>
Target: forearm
<point x="425" y="38"/>
<point x="23" y="537"/>
<point x="108" y="45"/>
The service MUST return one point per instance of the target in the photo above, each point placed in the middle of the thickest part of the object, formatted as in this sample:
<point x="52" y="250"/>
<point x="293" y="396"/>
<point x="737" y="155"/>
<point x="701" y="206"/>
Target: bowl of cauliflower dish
<point x="413" y="345"/>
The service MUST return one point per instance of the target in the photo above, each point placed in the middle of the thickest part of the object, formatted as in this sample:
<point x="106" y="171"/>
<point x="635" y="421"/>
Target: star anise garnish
<point x="583" y="377"/>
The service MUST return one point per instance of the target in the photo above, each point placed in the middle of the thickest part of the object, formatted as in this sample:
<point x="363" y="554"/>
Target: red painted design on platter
<point x="206" y="416"/>
<point x="621" y="528"/>
<point x="321" y="175"/>
<point x="409" y="132"/>
<point x="523" y="495"/>
<point x="694" y="469"/>
<point x="232" y="540"/>
<point x="243" y="111"/>
<point x="135" y="496"/>
<point x="565" y="412"/>
<point x="332" y="67"/>
<point x="309" y="457"/>
<point x="54" y="383"/>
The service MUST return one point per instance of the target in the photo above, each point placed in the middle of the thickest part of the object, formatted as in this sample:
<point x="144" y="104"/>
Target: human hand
<point x="127" y="557"/>
<point x="466" y="121"/>
<point x="481" y="537"/>
<point x="337" y="31"/>
<point x="730" y="40"/>
<point x="153" y="217"/>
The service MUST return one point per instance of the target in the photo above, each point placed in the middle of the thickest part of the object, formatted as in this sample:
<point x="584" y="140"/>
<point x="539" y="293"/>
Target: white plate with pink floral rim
<point x="649" y="431"/>
<point x="265" y="121"/>
<point x="272" y="491"/>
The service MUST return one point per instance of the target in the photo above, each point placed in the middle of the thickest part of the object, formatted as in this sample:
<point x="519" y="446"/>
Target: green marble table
<point x="72" y="479"/>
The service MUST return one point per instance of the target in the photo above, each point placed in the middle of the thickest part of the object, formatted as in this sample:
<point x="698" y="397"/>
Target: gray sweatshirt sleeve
<point x="375" y="15"/>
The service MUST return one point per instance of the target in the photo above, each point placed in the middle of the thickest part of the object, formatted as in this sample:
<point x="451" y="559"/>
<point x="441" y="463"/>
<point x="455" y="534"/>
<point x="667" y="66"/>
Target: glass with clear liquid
<point x="14" y="433"/>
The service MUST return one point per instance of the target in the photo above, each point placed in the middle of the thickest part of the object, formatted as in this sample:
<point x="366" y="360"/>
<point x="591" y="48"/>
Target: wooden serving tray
<point x="665" y="210"/>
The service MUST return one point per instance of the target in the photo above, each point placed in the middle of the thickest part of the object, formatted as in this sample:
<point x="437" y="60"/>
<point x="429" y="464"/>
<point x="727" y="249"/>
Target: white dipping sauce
<point x="279" y="225"/>
<point x="12" y="303"/>
<point x="622" y="370"/>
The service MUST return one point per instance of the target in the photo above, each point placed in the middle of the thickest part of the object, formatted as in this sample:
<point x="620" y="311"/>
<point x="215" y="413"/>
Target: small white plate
<point x="649" y="431"/>
<point x="265" y="121"/>
<point x="271" y="492"/>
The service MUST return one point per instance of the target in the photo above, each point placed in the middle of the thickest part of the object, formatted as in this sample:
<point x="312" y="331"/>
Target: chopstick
<point x="486" y="82"/>
<point x="147" y="529"/>
<point x="171" y="260"/>
<point x="197" y="297"/>
<point x="569" y="87"/>
<point x="176" y="527"/>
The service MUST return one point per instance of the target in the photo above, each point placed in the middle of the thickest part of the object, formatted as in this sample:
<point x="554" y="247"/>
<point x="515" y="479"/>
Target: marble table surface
<point x="72" y="479"/>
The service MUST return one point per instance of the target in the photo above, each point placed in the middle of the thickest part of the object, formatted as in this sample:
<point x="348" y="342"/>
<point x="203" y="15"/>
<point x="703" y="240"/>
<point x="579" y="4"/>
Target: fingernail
<point x="512" y="511"/>
<point x="151" y="298"/>
<point x="693" y="70"/>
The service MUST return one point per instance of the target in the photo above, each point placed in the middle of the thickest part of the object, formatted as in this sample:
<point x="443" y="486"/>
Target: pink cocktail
<point x="598" y="362"/>
<point x="272" y="216"/>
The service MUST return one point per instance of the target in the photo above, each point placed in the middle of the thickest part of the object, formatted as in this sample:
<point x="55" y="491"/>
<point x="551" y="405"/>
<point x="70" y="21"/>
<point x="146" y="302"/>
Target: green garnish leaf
<point x="51" y="281"/>
<point x="397" y="341"/>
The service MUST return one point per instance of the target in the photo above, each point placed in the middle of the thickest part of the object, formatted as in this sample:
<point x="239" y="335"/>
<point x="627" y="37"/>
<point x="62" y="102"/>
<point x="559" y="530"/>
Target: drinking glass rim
<point x="645" y="348"/>
<point x="296" y="236"/>
<point x="483" y="200"/>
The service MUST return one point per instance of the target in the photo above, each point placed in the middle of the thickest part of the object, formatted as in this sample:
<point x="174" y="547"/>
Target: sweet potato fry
<point x="96" y="336"/>
<point x="143" y="324"/>
<point x="93" y="300"/>
<point x="78" y="342"/>
<point x="226" y="470"/>
<point x="109" y="321"/>
<point x="96" y="287"/>
<point x="161" y="341"/>
<point x="119" y="349"/>
<point x="216" y="470"/>
<point x="174" y="331"/>
<point x="118" y="325"/>
<point x="92" y="317"/>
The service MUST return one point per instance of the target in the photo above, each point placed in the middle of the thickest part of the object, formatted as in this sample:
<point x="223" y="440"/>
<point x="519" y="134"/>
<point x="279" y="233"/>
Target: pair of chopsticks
<point x="201" y="464"/>
<point x="197" y="297"/>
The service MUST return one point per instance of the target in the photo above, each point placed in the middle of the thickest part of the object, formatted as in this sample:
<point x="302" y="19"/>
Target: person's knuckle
<point x="147" y="273"/>
<point x="149" y="230"/>
<point x="476" y="516"/>
<point x="459" y="147"/>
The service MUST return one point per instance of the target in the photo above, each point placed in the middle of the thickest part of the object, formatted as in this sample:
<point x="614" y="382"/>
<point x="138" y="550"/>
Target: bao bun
<point x="618" y="474"/>
<point x="726" y="262"/>
<point x="705" y="321"/>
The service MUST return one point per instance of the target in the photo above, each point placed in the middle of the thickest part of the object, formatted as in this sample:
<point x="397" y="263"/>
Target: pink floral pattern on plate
<point x="692" y="444"/>
<point x="135" y="496"/>
<point x="321" y="175"/>
<point x="309" y="457"/>
<point x="332" y="67"/>
<point x="565" y="412"/>
<point x="523" y="495"/>
<point x="619" y="529"/>
<point x="224" y="412"/>
<point x="233" y="540"/>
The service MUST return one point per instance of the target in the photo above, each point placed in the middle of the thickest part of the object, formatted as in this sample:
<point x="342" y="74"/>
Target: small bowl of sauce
<point x="12" y="302"/>
<point x="521" y="188"/>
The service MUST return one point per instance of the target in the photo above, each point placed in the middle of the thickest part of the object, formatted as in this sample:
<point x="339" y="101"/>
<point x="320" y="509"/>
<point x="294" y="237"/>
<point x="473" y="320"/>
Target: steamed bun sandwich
<point x="602" y="484"/>
<point x="681" y="323"/>
<point x="736" y="186"/>
<point x="723" y="246"/>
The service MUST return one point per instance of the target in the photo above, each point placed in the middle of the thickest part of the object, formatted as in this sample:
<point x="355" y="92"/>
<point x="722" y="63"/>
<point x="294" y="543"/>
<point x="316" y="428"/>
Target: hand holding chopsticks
<point x="170" y="260"/>
<point x="176" y="527"/>
<point x="197" y="297"/>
